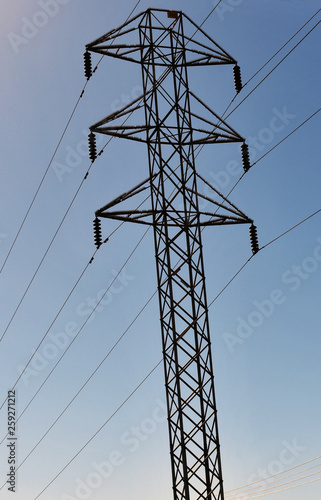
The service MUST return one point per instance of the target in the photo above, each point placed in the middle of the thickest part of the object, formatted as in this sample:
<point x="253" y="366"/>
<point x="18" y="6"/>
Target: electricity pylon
<point x="172" y="129"/>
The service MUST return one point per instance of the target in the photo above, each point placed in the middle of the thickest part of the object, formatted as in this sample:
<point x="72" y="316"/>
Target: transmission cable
<point x="279" y="236"/>
<point x="55" y="235"/>
<point x="53" y="156"/>
<point x="101" y="427"/>
<point x="305" y="121"/>
<point x="271" y="149"/>
<point x="110" y="139"/>
<point x="274" y="475"/>
<point x="84" y="323"/>
<point x="70" y="205"/>
<point x="218" y="294"/>
<point x="283" y="46"/>
<point x="44" y="176"/>
<point x="44" y="256"/>
<point x="235" y="275"/>
<point x="284" y="138"/>
<point x="253" y="491"/>
<point x="206" y="18"/>
<point x="263" y="79"/>
<point x="84" y="384"/>
<point x="61" y="223"/>
<point x="283" y="489"/>
<point x="271" y="71"/>
<point x="147" y="376"/>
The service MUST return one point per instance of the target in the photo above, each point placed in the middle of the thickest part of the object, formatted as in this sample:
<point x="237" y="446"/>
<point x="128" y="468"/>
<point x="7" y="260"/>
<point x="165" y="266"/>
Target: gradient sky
<point x="265" y="327"/>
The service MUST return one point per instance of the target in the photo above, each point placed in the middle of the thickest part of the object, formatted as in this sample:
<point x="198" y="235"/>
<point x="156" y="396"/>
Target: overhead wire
<point x="286" y="231"/>
<point x="148" y="375"/>
<point x="247" y="487"/>
<point x="59" y="227"/>
<point x="249" y="494"/>
<point x="283" y="46"/>
<point x="209" y="305"/>
<point x="100" y="428"/>
<point x="82" y="326"/>
<point x="54" y="237"/>
<point x="53" y="156"/>
<point x="270" y="72"/>
<point x="272" y="148"/>
<point x="270" y="242"/>
<point x="43" y="178"/>
<point x="143" y="308"/>
<point x="274" y="68"/>
<point x="82" y="386"/>
<point x="284" y="489"/>
<point x="64" y="217"/>
<point x="208" y="16"/>
<point x="62" y="221"/>
<point x="275" y="239"/>
<point x="43" y="257"/>
<point x="287" y="136"/>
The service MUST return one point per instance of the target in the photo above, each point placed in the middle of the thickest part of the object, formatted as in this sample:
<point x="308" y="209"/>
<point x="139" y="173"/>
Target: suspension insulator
<point x="237" y="78"/>
<point x="92" y="146"/>
<point x="254" y="240"/>
<point x="245" y="157"/>
<point x="87" y="65"/>
<point x="97" y="232"/>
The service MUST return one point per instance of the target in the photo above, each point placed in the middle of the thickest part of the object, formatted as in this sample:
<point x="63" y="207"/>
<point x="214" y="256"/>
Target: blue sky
<point x="265" y="327"/>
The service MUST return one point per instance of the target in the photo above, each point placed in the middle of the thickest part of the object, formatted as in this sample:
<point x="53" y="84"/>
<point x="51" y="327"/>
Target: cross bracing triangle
<point x="209" y="128"/>
<point x="125" y="43"/>
<point x="219" y="210"/>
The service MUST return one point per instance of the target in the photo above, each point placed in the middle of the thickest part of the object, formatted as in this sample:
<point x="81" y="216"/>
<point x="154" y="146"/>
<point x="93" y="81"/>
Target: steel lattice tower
<point x="171" y="131"/>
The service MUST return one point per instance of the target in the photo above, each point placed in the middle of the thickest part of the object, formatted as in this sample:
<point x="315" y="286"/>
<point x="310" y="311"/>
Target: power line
<point x="69" y="207"/>
<point x="147" y="376"/>
<point x="206" y="18"/>
<point x="43" y="177"/>
<point x="291" y="229"/>
<point x="283" y="46"/>
<point x="53" y="156"/>
<point x="253" y="491"/>
<point x="100" y="428"/>
<point x="52" y="323"/>
<point x="68" y="297"/>
<point x="81" y="388"/>
<point x="271" y="71"/>
<point x="44" y="256"/>
<point x="82" y="326"/>
<point x="285" y="489"/>
<point x="273" y="147"/>
<point x="54" y="237"/>
<point x="284" y="138"/>
<point x="284" y="233"/>
<point x="200" y="147"/>
<point x="38" y="189"/>
<point x="235" y="275"/>
<point x="274" y="475"/>
<point x="26" y="291"/>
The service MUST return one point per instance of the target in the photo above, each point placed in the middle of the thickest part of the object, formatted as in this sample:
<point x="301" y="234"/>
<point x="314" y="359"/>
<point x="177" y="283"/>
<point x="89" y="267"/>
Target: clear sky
<point x="265" y="327"/>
